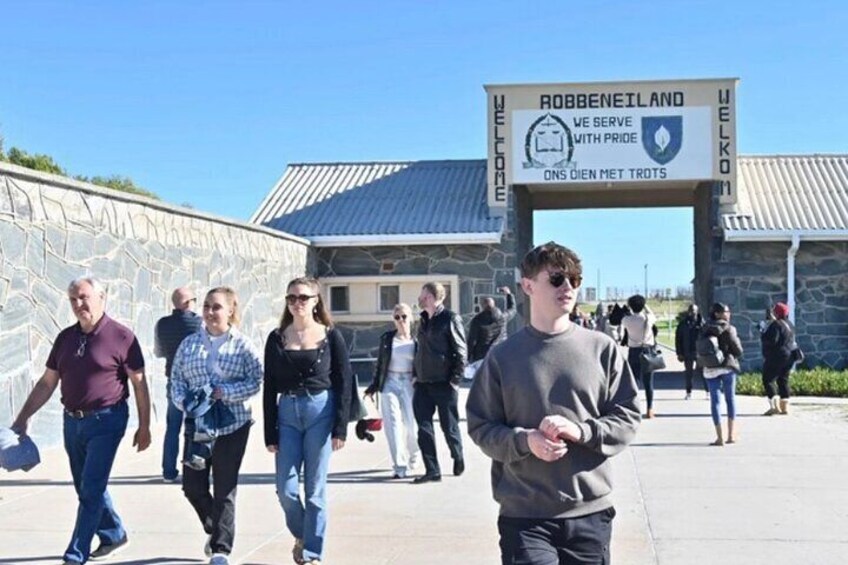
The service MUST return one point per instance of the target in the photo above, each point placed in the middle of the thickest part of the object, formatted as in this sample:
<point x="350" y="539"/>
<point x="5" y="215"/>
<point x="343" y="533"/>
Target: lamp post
<point x="646" y="281"/>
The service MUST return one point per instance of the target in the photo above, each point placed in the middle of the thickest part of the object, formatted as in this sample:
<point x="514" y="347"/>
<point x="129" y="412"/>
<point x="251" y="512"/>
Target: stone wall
<point x="480" y="268"/>
<point x="54" y="229"/>
<point x="752" y="276"/>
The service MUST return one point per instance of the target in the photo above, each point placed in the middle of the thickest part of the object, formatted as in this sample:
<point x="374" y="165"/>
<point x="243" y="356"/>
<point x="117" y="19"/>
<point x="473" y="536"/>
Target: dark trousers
<point x="563" y="541"/>
<point x="690" y="369"/>
<point x="776" y="378"/>
<point x="646" y="378"/>
<point x="429" y="397"/>
<point x="217" y="511"/>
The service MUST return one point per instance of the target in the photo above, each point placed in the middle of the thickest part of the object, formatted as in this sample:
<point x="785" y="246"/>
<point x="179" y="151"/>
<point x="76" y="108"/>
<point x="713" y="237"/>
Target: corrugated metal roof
<point x="781" y="193"/>
<point x="391" y="199"/>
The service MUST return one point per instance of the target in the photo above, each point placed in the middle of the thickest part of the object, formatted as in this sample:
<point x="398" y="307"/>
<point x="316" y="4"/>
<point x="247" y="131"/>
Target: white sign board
<point x="647" y="133"/>
<point x="638" y="144"/>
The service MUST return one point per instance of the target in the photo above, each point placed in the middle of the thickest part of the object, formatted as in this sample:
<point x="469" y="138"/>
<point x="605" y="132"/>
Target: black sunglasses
<point x="302" y="298"/>
<point x="400" y="317"/>
<point x="558" y="278"/>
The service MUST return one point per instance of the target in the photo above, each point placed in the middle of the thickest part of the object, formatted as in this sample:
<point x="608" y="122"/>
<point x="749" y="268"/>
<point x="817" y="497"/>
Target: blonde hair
<point x="403" y="307"/>
<point x="232" y="299"/>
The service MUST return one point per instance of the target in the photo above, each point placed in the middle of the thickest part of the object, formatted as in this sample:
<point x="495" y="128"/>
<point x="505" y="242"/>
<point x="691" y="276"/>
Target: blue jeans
<point x="728" y="382"/>
<point x="171" y="447"/>
<point x="305" y="423"/>
<point x="91" y="444"/>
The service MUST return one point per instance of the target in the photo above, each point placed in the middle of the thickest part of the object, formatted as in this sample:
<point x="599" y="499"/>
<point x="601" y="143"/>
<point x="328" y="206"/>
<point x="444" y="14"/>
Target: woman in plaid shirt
<point x="220" y="357"/>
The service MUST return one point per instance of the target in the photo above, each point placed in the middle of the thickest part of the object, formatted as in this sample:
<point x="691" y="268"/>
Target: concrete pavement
<point x="779" y="496"/>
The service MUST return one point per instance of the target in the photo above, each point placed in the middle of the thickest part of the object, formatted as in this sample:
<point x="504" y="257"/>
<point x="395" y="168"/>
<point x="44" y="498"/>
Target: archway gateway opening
<point x="614" y="145"/>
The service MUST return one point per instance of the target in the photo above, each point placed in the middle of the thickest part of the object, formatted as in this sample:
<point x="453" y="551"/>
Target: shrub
<point x="803" y="382"/>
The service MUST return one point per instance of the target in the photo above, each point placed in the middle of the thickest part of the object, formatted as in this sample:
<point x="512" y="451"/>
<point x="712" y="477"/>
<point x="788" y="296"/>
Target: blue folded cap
<point x="17" y="452"/>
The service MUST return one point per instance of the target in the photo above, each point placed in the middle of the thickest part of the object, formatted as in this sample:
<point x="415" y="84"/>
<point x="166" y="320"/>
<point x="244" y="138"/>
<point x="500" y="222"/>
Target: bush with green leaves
<point x="803" y="382"/>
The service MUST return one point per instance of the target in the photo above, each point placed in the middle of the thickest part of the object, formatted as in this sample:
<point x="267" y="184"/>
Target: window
<point x="339" y="299"/>
<point x="389" y="297"/>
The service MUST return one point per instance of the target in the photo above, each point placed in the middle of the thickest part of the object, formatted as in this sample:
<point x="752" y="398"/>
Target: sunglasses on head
<point x="295" y="298"/>
<point x="558" y="278"/>
<point x="399" y="317"/>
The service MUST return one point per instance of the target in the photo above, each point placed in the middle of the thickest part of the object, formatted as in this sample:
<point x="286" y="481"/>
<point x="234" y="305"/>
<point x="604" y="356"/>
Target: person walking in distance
<point x="639" y="333"/>
<point x="719" y="350"/>
<point x="488" y="327"/>
<point x="93" y="362"/>
<point x="439" y="366"/>
<point x="550" y="406"/>
<point x="393" y="380"/>
<point x="169" y="333"/>
<point x="778" y="344"/>
<point x="684" y="344"/>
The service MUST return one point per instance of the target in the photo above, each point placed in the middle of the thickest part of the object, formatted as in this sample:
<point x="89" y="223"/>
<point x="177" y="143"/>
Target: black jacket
<point x="686" y="335"/>
<point x="170" y="332"/>
<point x="778" y="341"/>
<point x="384" y="359"/>
<point x="488" y="328"/>
<point x="728" y="341"/>
<point x="441" y="353"/>
<point x="331" y="371"/>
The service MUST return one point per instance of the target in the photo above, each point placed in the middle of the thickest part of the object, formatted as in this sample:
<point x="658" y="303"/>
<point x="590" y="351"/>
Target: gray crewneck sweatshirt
<point x="579" y="374"/>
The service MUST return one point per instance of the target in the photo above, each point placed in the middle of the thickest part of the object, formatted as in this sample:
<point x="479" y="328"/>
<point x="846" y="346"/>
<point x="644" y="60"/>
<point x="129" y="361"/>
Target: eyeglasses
<point x="399" y="317"/>
<point x="295" y="298"/>
<point x="558" y="278"/>
<point x="82" y="343"/>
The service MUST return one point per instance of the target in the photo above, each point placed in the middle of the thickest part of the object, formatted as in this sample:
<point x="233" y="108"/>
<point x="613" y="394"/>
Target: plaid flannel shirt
<point x="240" y="365"/>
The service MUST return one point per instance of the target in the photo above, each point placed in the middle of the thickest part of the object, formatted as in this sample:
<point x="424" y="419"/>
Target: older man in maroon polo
<point x="92" y="362"/>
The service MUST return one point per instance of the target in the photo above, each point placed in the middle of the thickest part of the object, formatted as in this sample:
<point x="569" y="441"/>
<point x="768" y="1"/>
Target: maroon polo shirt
<point x="97" y="378"/>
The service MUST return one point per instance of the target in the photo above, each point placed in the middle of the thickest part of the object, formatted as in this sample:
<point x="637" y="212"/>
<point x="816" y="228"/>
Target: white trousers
<point x="399" y="422"/>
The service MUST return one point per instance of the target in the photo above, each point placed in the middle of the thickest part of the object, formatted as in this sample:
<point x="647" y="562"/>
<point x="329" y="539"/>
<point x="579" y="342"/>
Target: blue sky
<point x="206" y="102"/>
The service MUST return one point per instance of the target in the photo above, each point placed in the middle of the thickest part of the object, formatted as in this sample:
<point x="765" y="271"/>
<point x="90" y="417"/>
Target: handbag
<point x="357" y="408"/>
<point x="651" y="357"/>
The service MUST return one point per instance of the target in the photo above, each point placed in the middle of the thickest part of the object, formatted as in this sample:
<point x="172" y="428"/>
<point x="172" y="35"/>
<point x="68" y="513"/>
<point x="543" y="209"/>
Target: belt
<point x="302" y="391"/>
<point x="80" y="414"/>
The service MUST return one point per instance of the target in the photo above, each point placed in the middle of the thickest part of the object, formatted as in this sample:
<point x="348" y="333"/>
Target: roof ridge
<point x="794" y="156"/>
<point x="390" y="162"/>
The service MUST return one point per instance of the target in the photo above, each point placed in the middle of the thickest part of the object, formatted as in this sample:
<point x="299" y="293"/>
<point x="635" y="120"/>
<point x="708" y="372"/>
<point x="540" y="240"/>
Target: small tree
<point x="36" y="161"/>
<point x="117" y="182"/>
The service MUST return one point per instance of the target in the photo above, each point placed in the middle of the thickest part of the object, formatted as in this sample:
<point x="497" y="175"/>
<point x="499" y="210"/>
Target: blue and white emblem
<point x="662" y="137"/>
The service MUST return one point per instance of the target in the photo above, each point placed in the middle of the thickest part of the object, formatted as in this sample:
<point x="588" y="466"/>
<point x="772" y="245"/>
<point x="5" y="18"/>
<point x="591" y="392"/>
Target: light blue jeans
<point x="727" y="381"/>
<point x="305" y="424"/>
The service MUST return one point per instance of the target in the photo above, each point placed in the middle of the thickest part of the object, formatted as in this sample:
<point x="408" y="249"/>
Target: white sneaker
<point x="219" y="559"/>
<point x="207" y="548"/>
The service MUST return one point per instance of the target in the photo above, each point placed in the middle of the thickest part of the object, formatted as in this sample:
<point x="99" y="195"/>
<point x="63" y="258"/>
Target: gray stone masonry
<point x="750" y="277"/>
<point x="54" y="229"/>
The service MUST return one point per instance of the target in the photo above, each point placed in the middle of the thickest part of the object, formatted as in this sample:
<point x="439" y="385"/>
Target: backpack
<point x="707" y="351"/>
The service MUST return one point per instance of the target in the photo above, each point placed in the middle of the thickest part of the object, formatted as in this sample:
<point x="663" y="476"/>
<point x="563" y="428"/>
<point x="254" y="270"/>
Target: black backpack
<point x="708" y="352"/>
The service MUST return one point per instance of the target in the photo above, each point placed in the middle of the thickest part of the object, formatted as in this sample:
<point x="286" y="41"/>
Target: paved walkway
<point x="779" y="496"/>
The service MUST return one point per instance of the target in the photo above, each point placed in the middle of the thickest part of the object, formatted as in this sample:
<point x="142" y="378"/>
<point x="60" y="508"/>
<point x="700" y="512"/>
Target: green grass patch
<point x="803" y="382"/>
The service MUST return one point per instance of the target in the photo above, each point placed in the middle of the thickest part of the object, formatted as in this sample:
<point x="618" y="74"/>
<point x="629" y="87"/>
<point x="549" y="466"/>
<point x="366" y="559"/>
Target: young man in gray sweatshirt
<point x="550" y="405"/>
